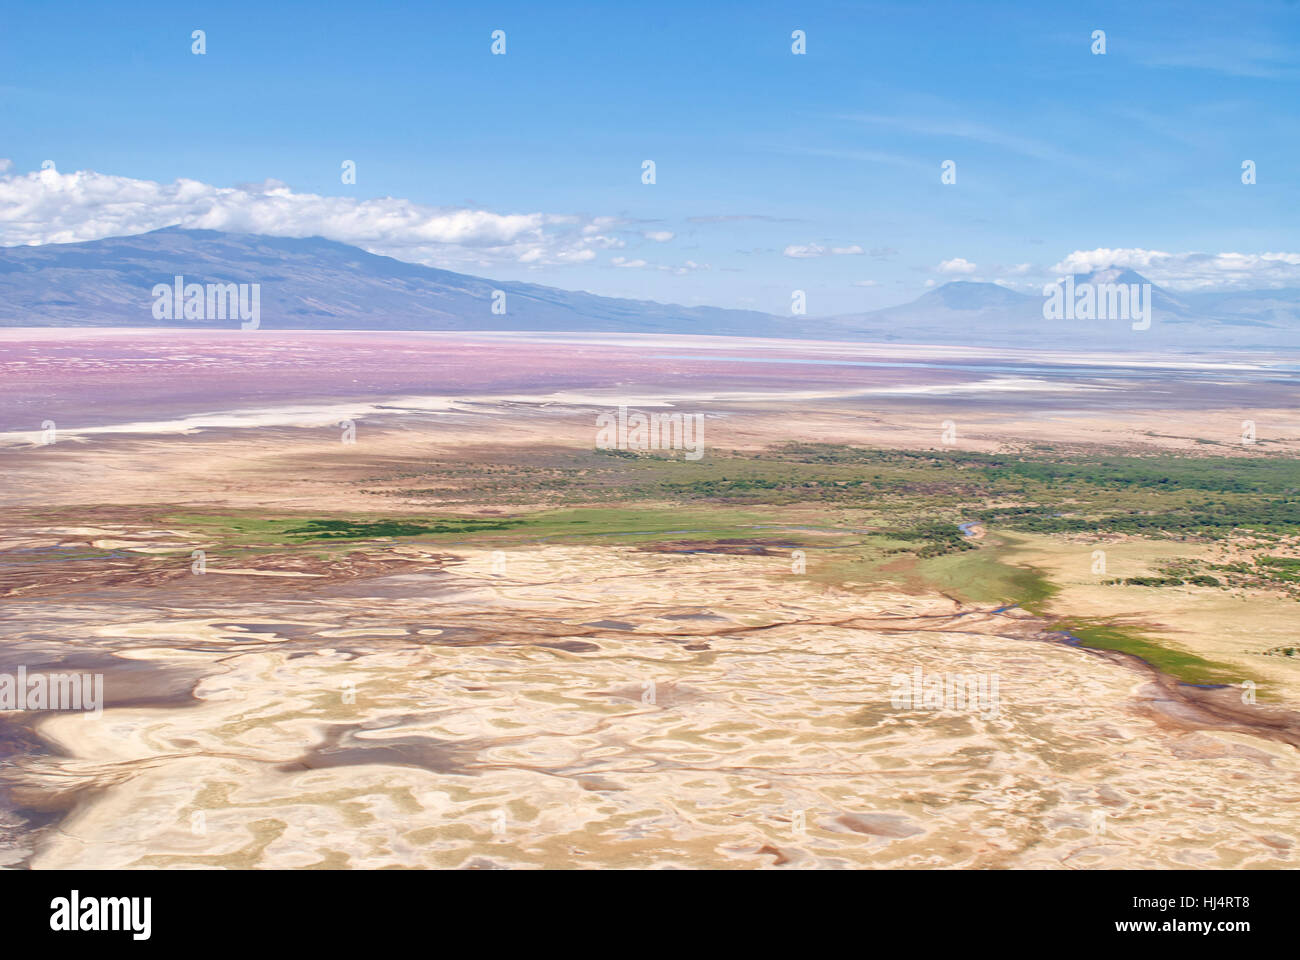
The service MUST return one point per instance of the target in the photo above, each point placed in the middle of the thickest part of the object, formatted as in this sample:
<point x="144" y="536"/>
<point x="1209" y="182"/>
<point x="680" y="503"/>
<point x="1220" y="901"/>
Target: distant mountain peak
<point x="974" y="295"/>
<point x="979" y="313"/>
<point x="1125" y="275"/>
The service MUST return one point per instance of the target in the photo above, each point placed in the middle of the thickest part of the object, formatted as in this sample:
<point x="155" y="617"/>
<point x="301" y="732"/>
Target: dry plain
<point x="469" y="639"/>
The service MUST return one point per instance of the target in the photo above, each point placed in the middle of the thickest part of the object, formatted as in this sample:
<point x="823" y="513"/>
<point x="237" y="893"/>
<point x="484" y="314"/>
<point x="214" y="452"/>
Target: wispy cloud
<point x="688" y="266"/>
<point x="964" y="129"/>
<point x="855" y="154"/>
<point x="804" y="251"/>
<point x="1226" y="52"/>
<point x="739" y="217"/>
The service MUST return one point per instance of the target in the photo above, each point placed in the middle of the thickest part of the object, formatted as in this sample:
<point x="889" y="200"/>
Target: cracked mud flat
<point x="612" y="707"/>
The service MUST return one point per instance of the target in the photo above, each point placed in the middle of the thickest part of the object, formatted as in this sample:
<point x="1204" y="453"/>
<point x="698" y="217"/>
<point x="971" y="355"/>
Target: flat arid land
<point x="382" y="600"/>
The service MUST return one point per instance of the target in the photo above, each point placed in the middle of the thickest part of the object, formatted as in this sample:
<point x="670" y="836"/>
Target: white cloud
<point x="689" y="266"/>
<point x="52" y="207"/>
<point x="803" y="251"/>
<point x="865" y="283"/>
<point x="659" y="236"/>
<point x="1192" y="271"/>
<point x="956" y="265"/>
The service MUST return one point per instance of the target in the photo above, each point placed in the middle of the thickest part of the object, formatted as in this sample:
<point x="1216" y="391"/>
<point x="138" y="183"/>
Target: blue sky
<point x="766" y="162"/>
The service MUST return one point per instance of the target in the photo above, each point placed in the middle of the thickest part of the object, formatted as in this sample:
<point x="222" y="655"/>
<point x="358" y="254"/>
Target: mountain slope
<point x="315" y="283"/>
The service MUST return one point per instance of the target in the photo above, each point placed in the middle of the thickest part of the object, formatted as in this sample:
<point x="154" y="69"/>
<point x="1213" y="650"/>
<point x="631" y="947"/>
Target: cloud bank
<point x="1192" y="271"/>
<point x="47" y="206"/>
<point x="52" y="207"/>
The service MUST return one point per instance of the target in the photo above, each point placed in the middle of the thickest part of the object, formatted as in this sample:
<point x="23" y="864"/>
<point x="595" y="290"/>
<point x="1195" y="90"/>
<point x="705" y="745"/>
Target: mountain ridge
<point x="315" y="283"/>
<point x="310" y="283"/>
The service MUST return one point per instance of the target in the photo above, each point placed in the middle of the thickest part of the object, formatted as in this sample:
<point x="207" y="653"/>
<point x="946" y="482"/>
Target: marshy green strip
<point x="979" y="576"/>
<point x="1187" y="667"/>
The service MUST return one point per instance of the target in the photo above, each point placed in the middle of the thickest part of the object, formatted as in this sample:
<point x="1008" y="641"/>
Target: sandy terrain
<point x="418" y="705"/>
<point x="611" y="707"/>
<point x="1238" y="627"/>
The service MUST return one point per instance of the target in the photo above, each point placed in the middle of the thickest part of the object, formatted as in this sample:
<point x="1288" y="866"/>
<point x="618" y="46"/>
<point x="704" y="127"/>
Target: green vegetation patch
<point x="908" y="492"/>
<point x="1196" y="580"/>
<point x="375" y="529"/>
<point x="1187" y="667"/>
<point x="1278" y="569"/>
<point x="610" y="524"/>
<point x="983" y="577"/>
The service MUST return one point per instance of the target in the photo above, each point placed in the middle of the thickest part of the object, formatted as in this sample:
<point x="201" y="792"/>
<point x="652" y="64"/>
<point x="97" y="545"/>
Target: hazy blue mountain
<point x="976" y="305"/>
<point x="316" y="283"/>
<point x="1271" y="307"/>
<point x="321" y="284"/>
<point x="988" y="314"/>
